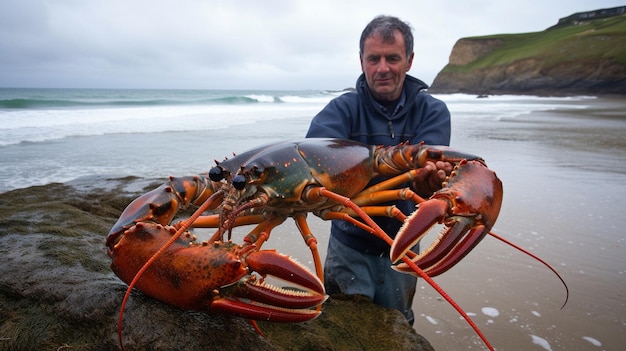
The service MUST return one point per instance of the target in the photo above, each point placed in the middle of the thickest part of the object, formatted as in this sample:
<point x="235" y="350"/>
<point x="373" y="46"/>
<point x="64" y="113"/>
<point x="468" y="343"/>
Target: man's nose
<point x="383" y="67"/>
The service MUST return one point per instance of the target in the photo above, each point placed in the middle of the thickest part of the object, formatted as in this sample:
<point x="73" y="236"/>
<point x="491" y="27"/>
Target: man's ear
<point x="361" y="62"/>
<point x="410" y="62"/>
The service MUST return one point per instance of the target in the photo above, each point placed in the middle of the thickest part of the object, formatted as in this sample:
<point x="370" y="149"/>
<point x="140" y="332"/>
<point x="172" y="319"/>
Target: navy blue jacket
<point x="357" y="116"/>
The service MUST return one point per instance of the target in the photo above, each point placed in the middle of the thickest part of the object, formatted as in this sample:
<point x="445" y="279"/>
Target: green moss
<point x="29" y="330"/>
<point x="34" y="326"/>
<point x="71" y="254"/>
<point x="589" y="41"/>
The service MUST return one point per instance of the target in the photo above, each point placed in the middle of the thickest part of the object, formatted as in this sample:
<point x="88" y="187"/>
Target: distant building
<point x="590" y="15"/>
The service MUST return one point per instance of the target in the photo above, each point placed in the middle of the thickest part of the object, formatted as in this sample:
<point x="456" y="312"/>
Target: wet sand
<point x="564" y="175"/>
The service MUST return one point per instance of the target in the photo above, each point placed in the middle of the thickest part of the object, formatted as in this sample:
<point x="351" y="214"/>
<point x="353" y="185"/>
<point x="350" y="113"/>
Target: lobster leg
<point x="373" y="193"/>
<point x="261" y="233"/>
<point x="311" y="242"/>
<point x="213" y="221"/>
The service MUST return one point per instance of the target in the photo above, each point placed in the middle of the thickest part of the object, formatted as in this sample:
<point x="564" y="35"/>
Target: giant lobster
<point x="268" y="184"/>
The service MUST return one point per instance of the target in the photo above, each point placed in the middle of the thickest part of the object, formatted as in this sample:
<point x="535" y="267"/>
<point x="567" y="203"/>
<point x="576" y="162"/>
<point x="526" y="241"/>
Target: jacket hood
<point x="411" y="85"/>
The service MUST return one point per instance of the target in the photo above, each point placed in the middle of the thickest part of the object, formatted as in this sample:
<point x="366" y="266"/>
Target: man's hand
<point x="429" y="179"/>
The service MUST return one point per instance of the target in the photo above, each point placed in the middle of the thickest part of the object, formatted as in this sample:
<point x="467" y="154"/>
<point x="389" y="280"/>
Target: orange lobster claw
<point x="468" y="206"/>
<point x="254" y="299"/>
<point x="218" y="276"/>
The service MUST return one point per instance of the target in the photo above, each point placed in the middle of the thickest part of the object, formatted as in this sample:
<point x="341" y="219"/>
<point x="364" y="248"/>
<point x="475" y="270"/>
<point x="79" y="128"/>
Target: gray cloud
<point x="236" y="45"/>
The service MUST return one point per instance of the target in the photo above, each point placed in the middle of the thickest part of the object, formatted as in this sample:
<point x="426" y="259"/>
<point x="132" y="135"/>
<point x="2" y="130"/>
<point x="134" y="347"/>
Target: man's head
<point x="386" y="54"/>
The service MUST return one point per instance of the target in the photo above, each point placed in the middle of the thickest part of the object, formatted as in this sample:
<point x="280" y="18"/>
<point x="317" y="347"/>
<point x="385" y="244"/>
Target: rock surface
<point x="57" y="291"/>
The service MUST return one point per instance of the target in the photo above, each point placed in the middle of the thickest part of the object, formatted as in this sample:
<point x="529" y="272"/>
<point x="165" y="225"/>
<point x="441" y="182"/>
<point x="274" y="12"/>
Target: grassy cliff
<point x="586" y="57"/>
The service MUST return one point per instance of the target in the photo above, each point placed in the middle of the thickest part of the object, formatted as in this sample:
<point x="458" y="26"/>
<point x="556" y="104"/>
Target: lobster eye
<point x="239" y="182"/>
<point x="216" y="174"/>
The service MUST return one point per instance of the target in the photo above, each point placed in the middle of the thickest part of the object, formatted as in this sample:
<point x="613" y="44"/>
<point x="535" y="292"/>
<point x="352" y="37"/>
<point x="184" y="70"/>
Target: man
<point x="387" y="108"/>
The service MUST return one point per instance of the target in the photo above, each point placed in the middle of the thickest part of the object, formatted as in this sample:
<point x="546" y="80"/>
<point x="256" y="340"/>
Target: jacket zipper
<point x="393" y="135"/>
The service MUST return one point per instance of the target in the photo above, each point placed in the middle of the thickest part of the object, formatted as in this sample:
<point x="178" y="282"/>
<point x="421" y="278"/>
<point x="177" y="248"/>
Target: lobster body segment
<point x="283" y="170"/>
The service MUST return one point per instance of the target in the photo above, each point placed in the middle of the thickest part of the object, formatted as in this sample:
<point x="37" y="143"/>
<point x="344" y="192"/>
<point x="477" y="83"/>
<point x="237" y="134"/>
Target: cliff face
<point x="468" y="50"/>
<point x="585" y="57"/>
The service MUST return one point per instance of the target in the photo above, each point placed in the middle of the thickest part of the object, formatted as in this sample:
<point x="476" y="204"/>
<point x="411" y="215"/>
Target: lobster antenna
<point x="449" y="299"/>
<point x="538" y="259"/>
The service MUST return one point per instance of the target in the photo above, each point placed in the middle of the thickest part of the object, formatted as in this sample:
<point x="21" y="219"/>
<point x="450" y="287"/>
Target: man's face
<point x="385" y="65"/>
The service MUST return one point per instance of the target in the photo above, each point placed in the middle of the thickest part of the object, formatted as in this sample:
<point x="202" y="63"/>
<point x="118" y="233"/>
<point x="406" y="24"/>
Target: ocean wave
<point x="38" y="99"/>
<point x="48" y="124"/>
<point x="40" y="115"/>
<point x="44" y="103"/>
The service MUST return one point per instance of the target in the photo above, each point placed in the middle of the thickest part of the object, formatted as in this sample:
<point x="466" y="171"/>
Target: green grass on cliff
<point x="587" y="41"/>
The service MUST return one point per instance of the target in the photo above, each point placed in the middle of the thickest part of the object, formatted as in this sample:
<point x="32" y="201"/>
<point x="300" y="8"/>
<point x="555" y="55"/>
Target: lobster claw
<point x="468" y="205"/>
<point x="217" y="276"/>
<point x="253" y="298"/>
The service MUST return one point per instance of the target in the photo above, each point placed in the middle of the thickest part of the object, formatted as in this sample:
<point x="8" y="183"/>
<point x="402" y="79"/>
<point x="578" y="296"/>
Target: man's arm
<point x="330" y="123"/>
<point x="435" y="126"/>
<point x="435" y="130"/>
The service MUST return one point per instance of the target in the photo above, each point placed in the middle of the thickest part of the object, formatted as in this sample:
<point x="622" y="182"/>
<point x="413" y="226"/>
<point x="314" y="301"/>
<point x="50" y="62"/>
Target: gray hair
<point x="385" y="27"/>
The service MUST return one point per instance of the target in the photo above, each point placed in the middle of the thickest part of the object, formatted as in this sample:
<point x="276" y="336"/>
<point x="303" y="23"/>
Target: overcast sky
<point x="203" y="44"/>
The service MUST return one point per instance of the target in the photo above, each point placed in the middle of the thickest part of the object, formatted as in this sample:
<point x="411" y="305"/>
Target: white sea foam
<point x="262" y="98"/>
<point x="490" y="311"/>
<point x="49" y="124"/>
<point x="430" y="319"/>
<point x="593" y="341"/>
<point x="541" y="342"/>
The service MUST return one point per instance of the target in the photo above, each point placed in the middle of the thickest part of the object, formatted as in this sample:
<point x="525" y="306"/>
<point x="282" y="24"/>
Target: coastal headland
<point x="583" y="54"/>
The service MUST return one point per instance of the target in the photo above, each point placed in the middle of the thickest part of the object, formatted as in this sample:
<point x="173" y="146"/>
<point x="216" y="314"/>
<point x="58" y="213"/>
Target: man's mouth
<point x="383" y="81"/>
